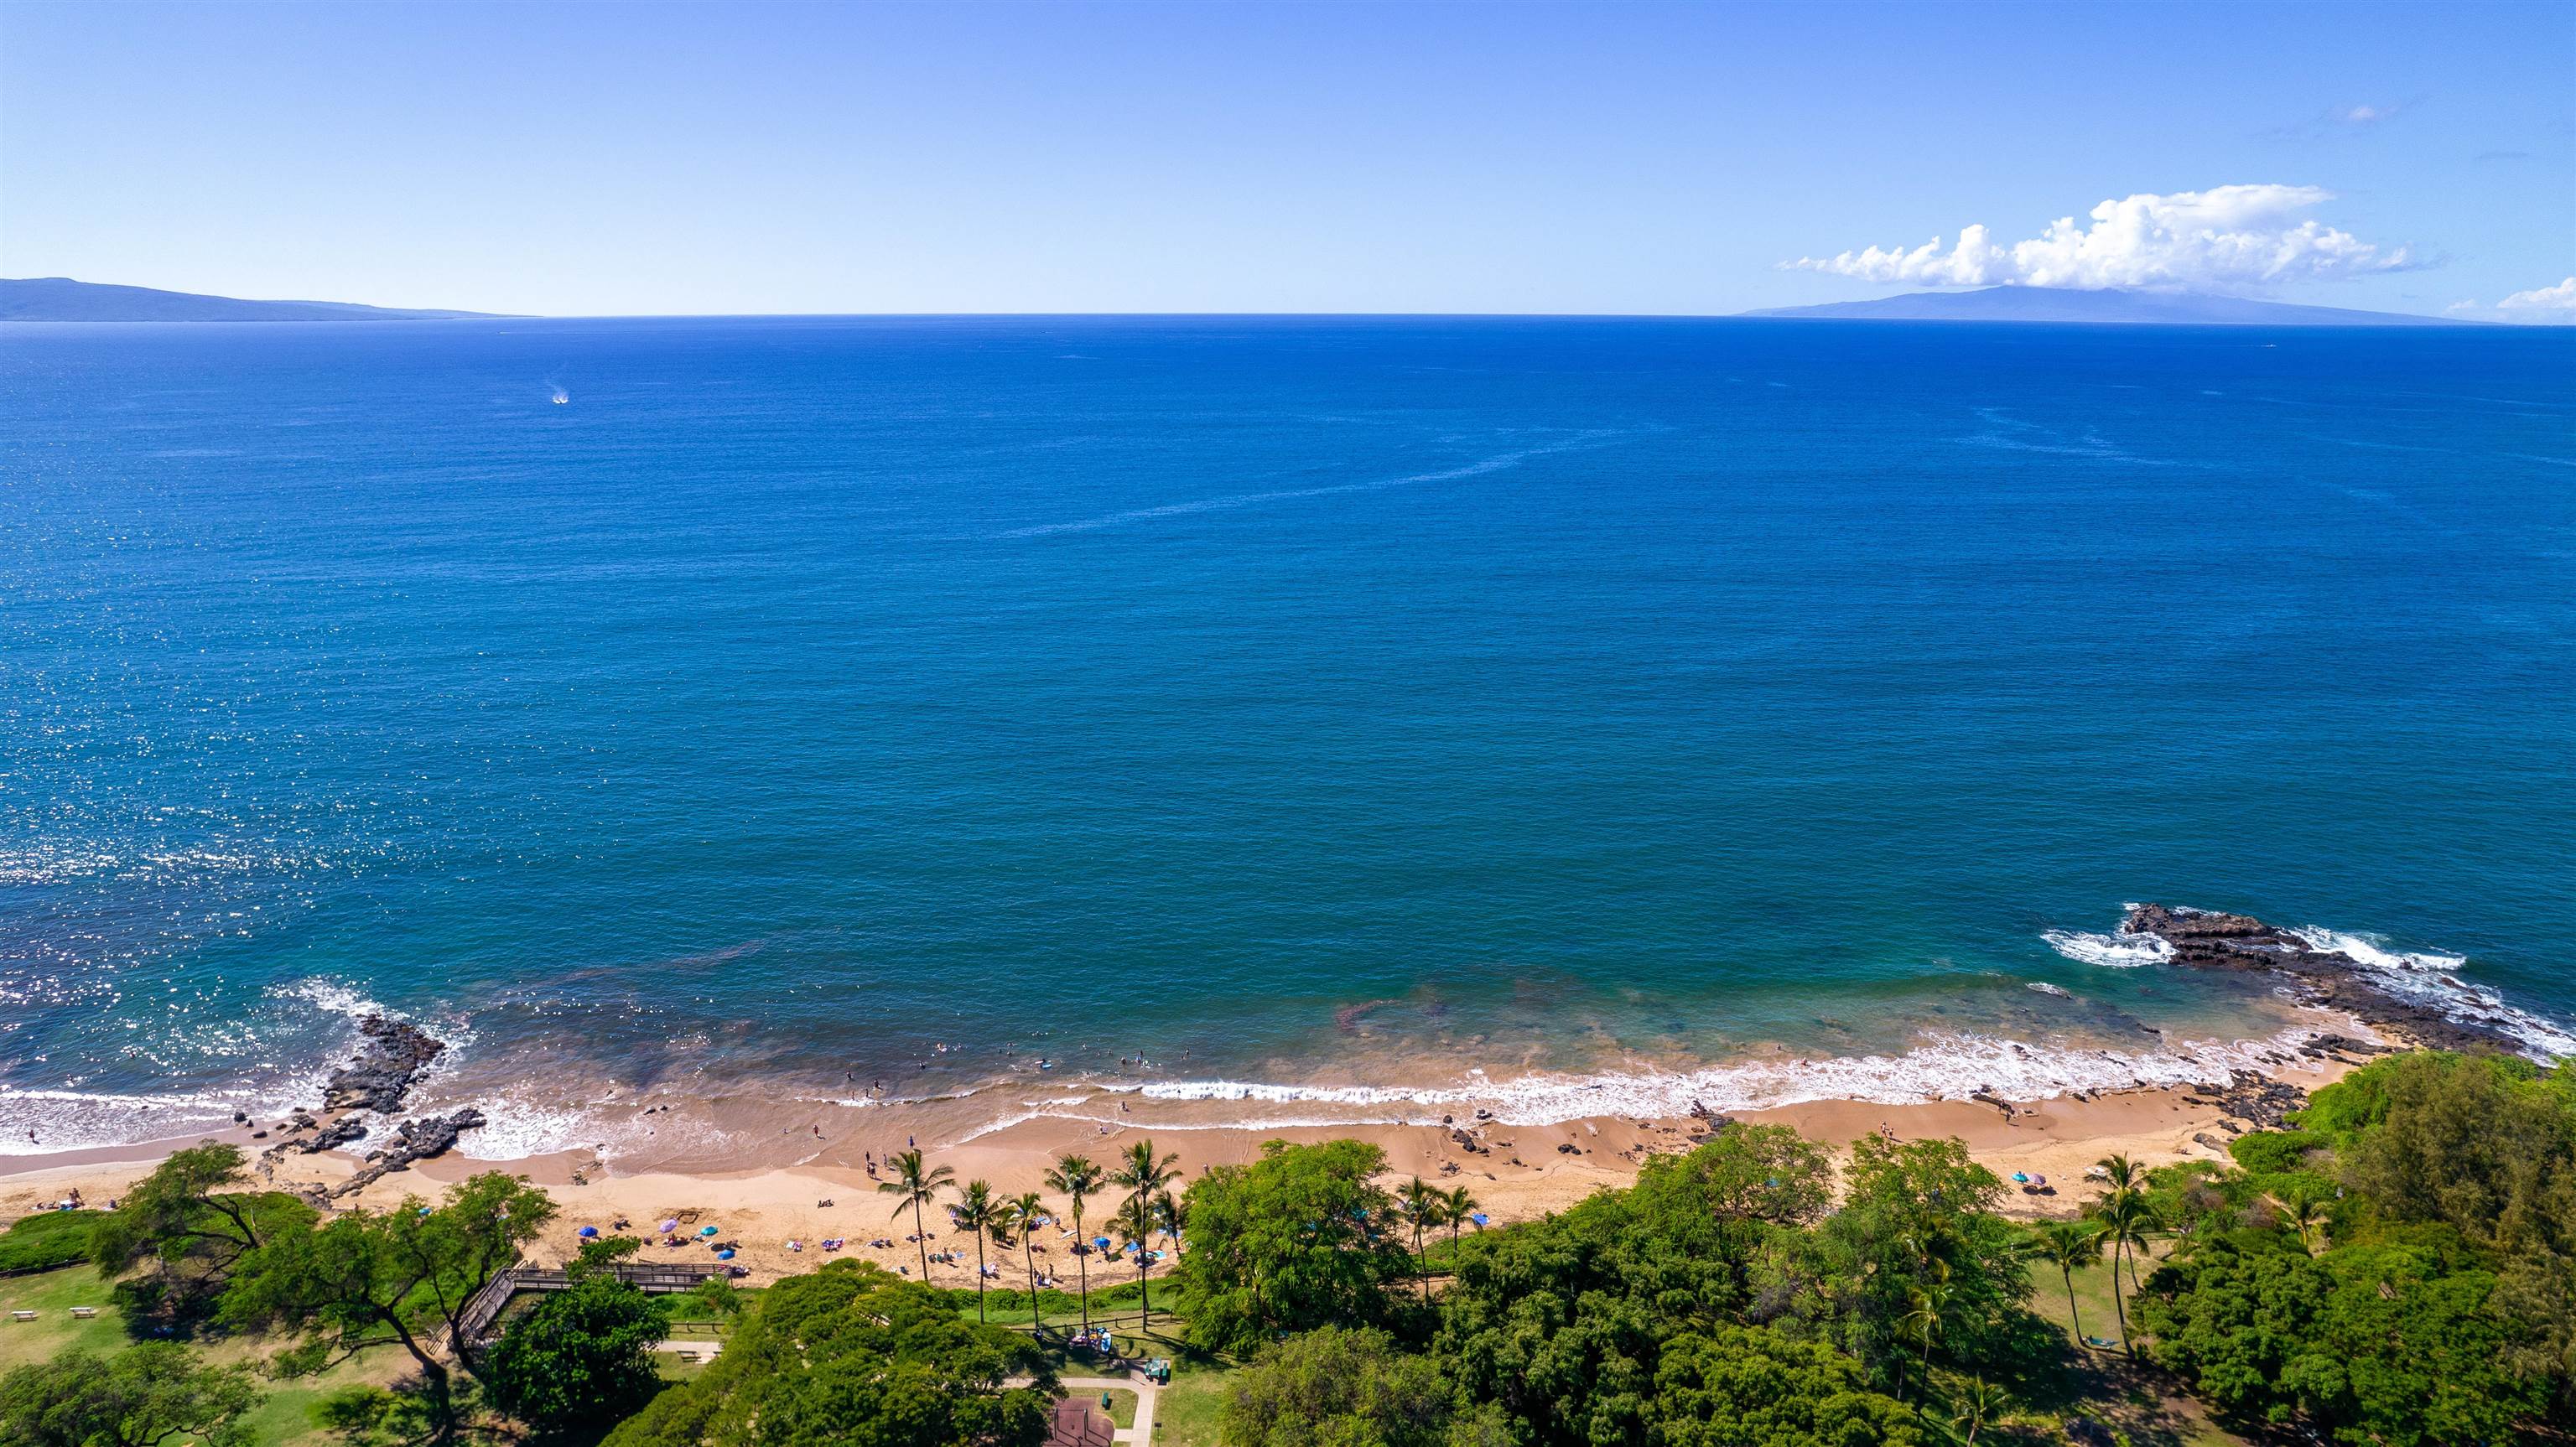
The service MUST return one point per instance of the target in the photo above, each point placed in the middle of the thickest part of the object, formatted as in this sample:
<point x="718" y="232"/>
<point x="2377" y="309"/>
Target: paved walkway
<point x="1140" y="1435"/>
<point x="702" y="1348"/>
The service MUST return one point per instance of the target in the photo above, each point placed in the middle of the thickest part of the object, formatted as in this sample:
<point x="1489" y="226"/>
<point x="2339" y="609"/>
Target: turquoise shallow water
<point x="1334" y="700"/>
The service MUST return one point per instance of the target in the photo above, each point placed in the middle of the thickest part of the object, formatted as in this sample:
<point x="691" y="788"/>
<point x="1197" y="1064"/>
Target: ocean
<point x="1340" y="714"/>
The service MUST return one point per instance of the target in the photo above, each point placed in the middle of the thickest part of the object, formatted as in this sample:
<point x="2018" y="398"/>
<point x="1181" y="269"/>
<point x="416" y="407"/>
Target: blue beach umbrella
<point x="589" y="1231"/>
<point x="706" y="1230"/>
<point x="1479" y="1218"/>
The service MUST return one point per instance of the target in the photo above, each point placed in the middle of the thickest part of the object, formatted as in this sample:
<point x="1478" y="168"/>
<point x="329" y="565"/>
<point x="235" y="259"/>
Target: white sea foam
<point x="2431" y="979"/>
<point x="514" y="1130"/>
<point x="80" y="1120"/>
<point x="2371" y="952"/>
<point x="333" y="996"/>
<point x="1949" y="1067"/>
<point x="2121" y="950"/>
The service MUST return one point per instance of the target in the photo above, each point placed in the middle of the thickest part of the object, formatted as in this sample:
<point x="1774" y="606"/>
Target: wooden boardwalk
<point x="655" y="1279"/>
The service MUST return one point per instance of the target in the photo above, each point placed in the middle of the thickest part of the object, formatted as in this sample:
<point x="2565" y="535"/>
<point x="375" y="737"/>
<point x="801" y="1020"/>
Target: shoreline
<point x="2292" y="994"/>
<point x="772" y="1167"/>
<point x="1517" y="1172"/>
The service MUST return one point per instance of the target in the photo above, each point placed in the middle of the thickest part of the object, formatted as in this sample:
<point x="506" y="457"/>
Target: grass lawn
<point x="2102" y="1383"/>
<point x="675" y="1370"/>
<point x="52" y="1295"/>
<point x="1186" y="1413"/>
<point x="2092" y="1300"/>
<point x="1122" y="1403"/>
<point x="285" y="1419"/>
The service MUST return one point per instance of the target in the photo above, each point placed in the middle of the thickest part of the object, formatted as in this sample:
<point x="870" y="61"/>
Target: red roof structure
<point x="1079" y="1424"/>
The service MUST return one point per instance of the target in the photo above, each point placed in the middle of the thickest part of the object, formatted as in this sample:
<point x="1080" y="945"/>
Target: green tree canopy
<point x="1332" y="1387"/>
<point x="1299" y="1238"/>
<point x="143" y="1396"/>
<point x="583" y="1355"/>
<point x="854" y="1356"/>
<point x="1917" y="1233"/>
<point x="193" y="1219"/>
<point x="2389" y="1344"/>
<point x="400" y="1277"/>
<point x="1737" y="1386"/>
<point x="1562" y="1323"/>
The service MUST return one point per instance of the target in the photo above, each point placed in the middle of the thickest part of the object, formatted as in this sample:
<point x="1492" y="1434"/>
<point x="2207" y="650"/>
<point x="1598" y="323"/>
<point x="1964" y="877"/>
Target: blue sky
<point x="606" y="158"/>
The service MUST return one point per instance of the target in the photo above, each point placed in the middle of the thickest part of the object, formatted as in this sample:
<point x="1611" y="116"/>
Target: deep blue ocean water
<point x="1330" y="699"/>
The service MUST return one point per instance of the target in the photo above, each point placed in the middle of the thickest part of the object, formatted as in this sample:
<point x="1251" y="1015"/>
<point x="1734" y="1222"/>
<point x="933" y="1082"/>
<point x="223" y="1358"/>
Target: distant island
<point x="2049" y="304"/>
<point x="61" y="299"/>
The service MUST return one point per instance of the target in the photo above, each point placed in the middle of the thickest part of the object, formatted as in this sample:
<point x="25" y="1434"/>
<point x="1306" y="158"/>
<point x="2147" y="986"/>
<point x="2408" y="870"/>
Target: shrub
<point x="46" y="1240"/>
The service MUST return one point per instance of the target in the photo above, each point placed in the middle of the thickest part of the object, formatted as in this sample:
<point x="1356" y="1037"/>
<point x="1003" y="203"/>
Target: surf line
<point x="1496" y="463"/>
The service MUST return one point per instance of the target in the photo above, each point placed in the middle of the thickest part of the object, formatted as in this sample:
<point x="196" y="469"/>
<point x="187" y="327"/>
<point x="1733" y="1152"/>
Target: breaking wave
<point x="1952" y="1067"/>
<point x="2431" y="979"/>
<point x="2119" y="950"/>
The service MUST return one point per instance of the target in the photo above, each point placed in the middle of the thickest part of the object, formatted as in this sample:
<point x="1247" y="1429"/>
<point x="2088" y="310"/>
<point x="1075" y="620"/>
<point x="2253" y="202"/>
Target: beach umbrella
<point x="2021" y="1178"/>
<point x="669" y="1226"/>
<point x="1480" y="1218"/>
<point x="706" y="1230"/>
<point x="1100" y="1241"/>
<point x="589" y="1231"/>
<point x="725" y="1255"/>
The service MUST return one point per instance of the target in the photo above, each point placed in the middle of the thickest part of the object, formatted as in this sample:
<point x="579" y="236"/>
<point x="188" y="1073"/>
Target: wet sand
<point x="1521" y="1172"/>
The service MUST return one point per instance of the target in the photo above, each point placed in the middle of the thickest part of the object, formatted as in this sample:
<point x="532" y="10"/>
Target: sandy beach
<point x="824" y="1189"/>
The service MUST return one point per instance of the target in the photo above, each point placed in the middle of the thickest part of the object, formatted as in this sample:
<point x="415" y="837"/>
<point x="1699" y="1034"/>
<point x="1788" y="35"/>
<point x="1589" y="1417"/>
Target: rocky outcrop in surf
<point x="2329" y="979"/>
<point x="414" y="1140"/>
<point x="391" y="1055"/>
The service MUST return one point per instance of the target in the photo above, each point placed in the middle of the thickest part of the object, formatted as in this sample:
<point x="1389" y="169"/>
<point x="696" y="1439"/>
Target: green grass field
<point x="285" y="1419"/>
<point x="1186" y="1414"/>
<point x="52" y="1295"/>
<point x="2102" y="1382"/>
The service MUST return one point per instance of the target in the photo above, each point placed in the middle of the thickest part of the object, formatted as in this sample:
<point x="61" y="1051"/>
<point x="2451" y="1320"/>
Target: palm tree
<point x="1135" y="1221"/>
<point x="1169" y="1217"/>
<point x="1027" y="1210"/>
<point x="915" y="1183"/>
<point x="2120" y="1223"/>
<point x="2127" y="1182"/>
<point x="2122" y="1171"/>
<point x="1975" y="1407"/>
<point x="1140" y="1175"/>
<point x="1421" y="1204"/>
<point x="1076" y="1177"/>
<point x="1459" y="1209"/>
<point x="980" y="1212"/>
<point x="2302" y="1213"/>
<point x="1929" y="1316"/>
<point x="2070" y="1248"/>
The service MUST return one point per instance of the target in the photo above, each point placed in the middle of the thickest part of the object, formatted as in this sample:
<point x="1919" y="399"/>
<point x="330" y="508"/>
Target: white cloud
<point x="2540" y="306"/>
<point x="2559" y="298"/>
<point x="2224" y="238"/>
